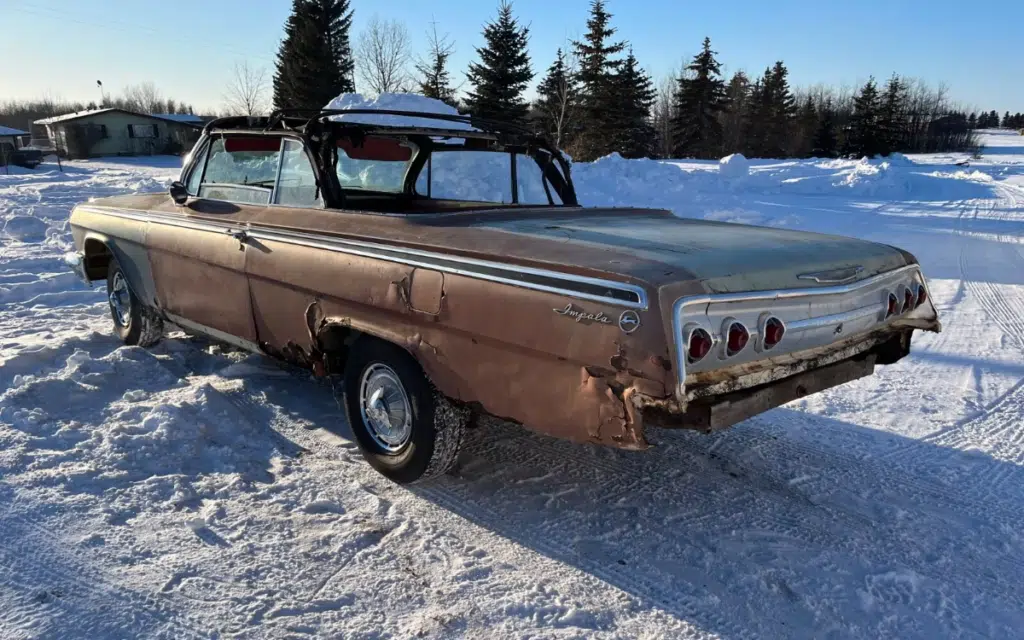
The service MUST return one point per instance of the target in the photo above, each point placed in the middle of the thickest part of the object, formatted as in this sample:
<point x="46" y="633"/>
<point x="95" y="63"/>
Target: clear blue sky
<point x="188" y="47"/>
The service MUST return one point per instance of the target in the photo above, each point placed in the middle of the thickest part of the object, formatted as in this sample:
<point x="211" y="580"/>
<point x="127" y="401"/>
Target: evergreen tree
<point x="597" y="84"/>
<point x="633" y="133"/>
<point x="700" y="102"/>
<point x="825" y="145"/>
<point x="1006" y="120"/>
<point x="501" y="76"/>
<point x="993" y="118"/>
<point x="805" y="128"/>
<point x="755" y="124"/>
<point x="972" y="121"/>
<point x="737" y="98"/>
<point x="780" y="111"/>
<point x="557" y="101"/>
<point x="435" y="81"/>
<point x="864" y="138"/>
<point x="314" y="61"/>
<point x="892" y="115"/>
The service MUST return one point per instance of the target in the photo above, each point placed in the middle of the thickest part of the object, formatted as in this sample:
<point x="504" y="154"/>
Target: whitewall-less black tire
<point x="134" y="322"/>
<point x="405" y="428"/>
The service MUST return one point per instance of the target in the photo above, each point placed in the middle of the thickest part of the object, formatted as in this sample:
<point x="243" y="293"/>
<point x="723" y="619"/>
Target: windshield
<point x="378" y="164"/>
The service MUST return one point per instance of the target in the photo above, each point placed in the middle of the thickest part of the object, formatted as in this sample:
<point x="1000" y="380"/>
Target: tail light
<point x="700" y="345"/>
<point x="908" y="300"/>
<point x="736" y="339"/>
<point x="922" y="295"/>
<point x="773" y="332"/>
<point x="894" y="305"/>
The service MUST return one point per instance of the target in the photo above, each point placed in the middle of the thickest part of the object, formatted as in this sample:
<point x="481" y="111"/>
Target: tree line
<point x="595" y="98"/>
<point x="144" y="97"/>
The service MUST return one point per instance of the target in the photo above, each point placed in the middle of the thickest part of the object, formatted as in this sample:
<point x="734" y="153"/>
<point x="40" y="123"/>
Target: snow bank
<point x="396" y="102"/>
<point x="734" y="166"/>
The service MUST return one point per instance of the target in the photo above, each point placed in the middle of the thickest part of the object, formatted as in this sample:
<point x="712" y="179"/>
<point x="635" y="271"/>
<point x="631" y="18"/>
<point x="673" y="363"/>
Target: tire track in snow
<point x="787" y="511"/>
<point x="72" y="581"/>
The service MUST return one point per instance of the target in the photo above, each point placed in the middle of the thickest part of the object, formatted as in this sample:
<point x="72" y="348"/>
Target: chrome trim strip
<point x="776" y="294"/>
<point x="836" y="318"/>
<point x="216" y="334"/>
<point x="457" y="265"/>
<point x="822" y="276"/>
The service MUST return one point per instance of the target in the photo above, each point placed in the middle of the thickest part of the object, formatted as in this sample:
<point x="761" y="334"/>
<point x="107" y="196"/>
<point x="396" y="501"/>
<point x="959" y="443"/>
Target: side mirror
<point x="179" y="193"/>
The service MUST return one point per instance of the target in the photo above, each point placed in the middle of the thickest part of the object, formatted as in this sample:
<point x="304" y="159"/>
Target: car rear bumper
<point x="741" y="393"/>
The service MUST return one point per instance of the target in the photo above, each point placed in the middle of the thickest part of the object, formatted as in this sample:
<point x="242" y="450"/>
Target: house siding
<point x="117" y="140"/>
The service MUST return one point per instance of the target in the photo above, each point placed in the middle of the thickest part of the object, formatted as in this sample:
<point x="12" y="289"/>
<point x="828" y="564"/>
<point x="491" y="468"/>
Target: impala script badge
<point x="582" y="316"/>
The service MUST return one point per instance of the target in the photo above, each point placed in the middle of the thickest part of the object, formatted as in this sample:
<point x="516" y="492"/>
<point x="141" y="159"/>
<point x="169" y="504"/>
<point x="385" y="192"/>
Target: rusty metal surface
<point x="504" y="350"/>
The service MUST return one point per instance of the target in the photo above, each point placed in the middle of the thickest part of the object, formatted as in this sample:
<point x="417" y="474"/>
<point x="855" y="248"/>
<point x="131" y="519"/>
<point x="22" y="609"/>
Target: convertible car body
<point x="443" y="266"/>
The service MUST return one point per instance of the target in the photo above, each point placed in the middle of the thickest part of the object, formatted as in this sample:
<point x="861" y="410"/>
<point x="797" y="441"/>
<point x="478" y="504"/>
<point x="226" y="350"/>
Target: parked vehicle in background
<point x="443" y="267"/>
<point x="13" y="152"/>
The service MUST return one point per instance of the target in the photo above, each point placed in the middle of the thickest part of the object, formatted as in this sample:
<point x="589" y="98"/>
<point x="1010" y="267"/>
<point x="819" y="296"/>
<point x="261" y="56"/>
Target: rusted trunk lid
<point x="723" y="257"/>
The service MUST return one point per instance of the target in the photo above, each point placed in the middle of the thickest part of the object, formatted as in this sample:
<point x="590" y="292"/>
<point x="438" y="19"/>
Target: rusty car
<point x="381" y="255"/>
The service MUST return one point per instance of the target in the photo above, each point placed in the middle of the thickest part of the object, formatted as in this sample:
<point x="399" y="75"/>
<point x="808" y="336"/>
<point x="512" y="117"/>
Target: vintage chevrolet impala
<point x="443" y="268"/>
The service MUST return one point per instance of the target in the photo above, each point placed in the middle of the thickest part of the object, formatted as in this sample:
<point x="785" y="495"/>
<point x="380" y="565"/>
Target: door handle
<point x="239" y="234"/>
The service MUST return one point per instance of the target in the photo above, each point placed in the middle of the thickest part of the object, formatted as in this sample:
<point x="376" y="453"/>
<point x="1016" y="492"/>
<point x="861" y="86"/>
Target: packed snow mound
<point x="734" y="166"/>
<point x="614" y="181"/>
<point x="396" y="102"/>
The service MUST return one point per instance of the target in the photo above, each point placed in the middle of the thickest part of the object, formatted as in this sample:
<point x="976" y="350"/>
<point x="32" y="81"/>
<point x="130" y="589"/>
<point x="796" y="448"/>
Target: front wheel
<point x="405" y="428"/>
<point x="134" y="322"/>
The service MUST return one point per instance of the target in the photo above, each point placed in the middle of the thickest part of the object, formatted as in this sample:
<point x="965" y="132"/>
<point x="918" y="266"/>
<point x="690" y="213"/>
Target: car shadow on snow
<point x="790" y="524"/>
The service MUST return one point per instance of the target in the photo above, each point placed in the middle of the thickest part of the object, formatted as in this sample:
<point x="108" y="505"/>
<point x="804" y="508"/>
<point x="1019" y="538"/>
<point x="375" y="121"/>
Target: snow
<point x="733" y="166"/>
<point x="190" y="490"/>
<point x="396" y="102"/>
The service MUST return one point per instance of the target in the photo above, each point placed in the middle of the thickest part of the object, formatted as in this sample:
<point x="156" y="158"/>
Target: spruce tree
<point x="993" y="118"/>
<point x="597" y="84"/>
<point x="972" y="121"/>
<point x="633" y="134"/>
<point x="700" y="102"/>
<point x="863" y="138"/>
<point x="737" y="97"/>
<point x="314" y="61"/>
<point x="892" y="115"/>
<point x="825" y="145"/>
<point x="805" y="128"/>
<point x="435" y="81"/>
<point x="501" y="76"/>
<point x="780" y="107"/>
<point x="758" y="112"/>
<point x="1006" y="120"/>
<point x="558" y="101"/>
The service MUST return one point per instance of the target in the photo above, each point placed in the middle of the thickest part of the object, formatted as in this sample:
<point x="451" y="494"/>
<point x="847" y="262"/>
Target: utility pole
<point x="103" y="96"/>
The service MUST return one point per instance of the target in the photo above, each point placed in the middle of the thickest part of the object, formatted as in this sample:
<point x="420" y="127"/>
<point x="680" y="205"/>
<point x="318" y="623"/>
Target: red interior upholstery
<point x="376" y="148"/>
<point x="236" y="144"/>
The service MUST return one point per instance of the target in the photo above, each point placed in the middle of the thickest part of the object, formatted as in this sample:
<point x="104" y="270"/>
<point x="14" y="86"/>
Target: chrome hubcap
<point x="120" y="300"/>
<point x="384" y="407"/>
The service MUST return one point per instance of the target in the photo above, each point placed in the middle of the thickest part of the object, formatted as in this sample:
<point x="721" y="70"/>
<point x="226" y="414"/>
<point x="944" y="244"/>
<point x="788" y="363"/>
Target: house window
<point x="142" y="131"/>
<point x="103" y="131"/>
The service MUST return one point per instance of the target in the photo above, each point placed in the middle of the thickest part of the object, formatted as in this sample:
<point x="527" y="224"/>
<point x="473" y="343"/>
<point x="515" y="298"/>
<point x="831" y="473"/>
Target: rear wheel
<point x="405" y="428"/>
<point x="134" y="322"/>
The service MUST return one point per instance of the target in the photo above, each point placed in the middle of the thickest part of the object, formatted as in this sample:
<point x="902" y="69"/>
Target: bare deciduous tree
<point x="564" y="107"/>
<point x="664" y="110"/>
<point x="382" y="56"/>
<point x="143" y="98"/>
<point x="247" y="92"/>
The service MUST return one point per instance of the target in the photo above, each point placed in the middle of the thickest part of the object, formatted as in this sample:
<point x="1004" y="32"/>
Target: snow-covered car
<point x="442" y="266"/>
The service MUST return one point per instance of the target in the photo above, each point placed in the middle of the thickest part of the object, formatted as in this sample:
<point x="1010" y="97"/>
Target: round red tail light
<point x="773" y="332"/>
<point x="908" y="301"/>
<point x="894" y="305"/>
<point x="700" y="345"/>
<point x="737" y="339"/>
<point x="922" y="295"/>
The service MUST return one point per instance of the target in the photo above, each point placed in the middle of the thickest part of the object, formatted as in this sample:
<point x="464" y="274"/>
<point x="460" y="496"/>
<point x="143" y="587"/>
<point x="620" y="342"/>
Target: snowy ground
<point x="186" y="491"/>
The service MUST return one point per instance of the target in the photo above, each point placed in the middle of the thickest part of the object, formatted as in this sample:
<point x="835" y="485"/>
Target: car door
<point x="198" y="253"/>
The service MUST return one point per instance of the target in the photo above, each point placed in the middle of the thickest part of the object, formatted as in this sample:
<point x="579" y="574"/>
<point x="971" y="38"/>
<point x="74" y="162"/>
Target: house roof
<point x="185" y="119"/>
<point x="9" y="131"/>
